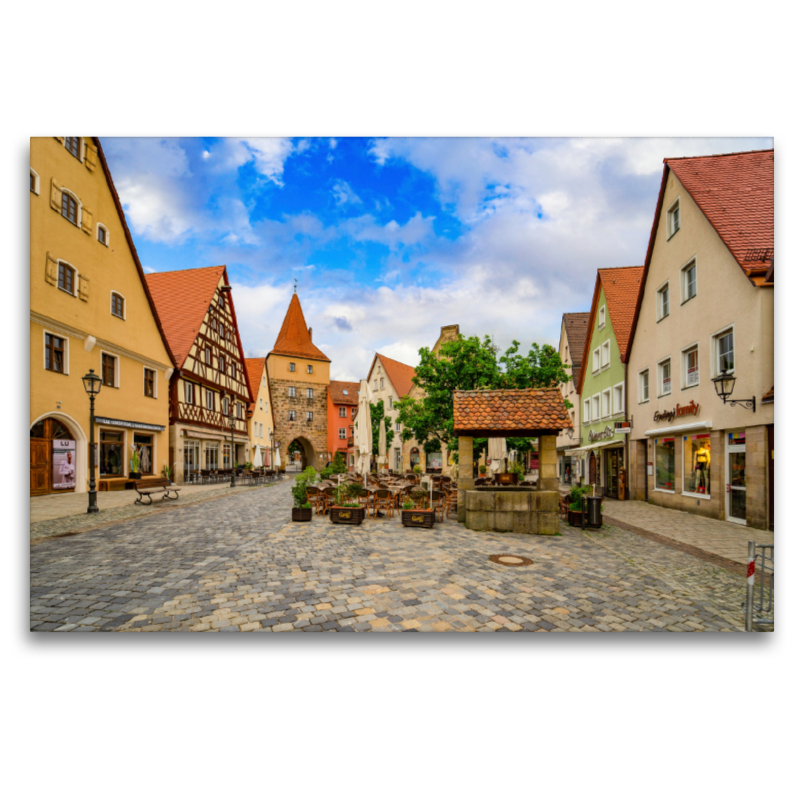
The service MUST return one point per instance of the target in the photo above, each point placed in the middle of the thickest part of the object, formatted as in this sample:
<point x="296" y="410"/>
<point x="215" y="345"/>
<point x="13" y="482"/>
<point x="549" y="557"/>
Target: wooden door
<point x="40" y="466"/>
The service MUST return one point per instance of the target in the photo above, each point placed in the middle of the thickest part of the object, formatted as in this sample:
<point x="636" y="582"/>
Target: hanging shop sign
<point x="623" y="426"/>
<point x="607" y="433"/>
<point x="679" y="411"/>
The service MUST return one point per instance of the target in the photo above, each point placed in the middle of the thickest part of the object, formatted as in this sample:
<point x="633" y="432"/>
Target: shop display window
<point x="212" y="456"/>
<point x="665" y="464"/>
<point x="697" y="464"/>
<point x="144" y="444"/>
<point x="112" y="453"/>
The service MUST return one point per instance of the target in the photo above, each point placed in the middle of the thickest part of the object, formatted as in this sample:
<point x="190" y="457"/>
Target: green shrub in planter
<point x="482" y="469"/>
<point x="308" y="477"/>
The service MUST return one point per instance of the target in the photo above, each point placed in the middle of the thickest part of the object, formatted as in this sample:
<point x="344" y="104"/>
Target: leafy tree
<point x="469" y="363"/>
<point x="377" y="414"/>
<point x="338" y="467"/>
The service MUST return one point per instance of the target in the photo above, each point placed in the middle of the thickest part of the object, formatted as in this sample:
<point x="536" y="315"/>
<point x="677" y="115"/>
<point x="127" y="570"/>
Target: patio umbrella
<point x="257" y="462"/>
<point x="497" y="452"/>
<point x="363" y="439"/>
<point x="277" y="458"/>
<point x="382" y="443"/>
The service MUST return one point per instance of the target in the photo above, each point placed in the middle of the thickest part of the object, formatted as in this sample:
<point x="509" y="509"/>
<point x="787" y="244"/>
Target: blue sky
<point x="389" y="239"/>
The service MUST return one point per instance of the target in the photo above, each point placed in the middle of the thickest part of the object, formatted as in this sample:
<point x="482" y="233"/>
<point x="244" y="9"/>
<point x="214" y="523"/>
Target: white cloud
<point x="269" y="156"/>
<point x="393" y="234"/>
<point x="344" y="195"/>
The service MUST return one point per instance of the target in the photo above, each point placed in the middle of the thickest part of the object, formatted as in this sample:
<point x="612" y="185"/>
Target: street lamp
<point x="92" y="384"/>
<point x="723" y="385"/>
<point x="232" y="423"/>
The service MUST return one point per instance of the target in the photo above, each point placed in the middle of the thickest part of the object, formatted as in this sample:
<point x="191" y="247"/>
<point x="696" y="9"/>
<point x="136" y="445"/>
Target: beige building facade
<point x="571" y="343"/>
<point x="260" y="419"/>
<point x="706" y="305"/>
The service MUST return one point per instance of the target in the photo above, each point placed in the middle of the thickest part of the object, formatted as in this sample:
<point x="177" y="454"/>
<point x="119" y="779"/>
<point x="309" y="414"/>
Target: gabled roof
<point x="182" y="299"/>
<point x="509" y="412"/>
<point x="576" y="325"/>
<point x="621" y="286"/>
<point x="294" y="338"/>
<point x="337" y="389"/>
<point x="132" y="247"/>
<point x="736" y="192"/>
<point x="254" y="369"/>
<point x="398" y="373"/>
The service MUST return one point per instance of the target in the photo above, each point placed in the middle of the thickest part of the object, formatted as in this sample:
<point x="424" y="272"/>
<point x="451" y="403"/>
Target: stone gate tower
<point x="299" y="374"/>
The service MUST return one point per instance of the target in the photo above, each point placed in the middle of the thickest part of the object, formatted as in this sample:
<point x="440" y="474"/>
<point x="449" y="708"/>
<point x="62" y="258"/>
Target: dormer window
<point x="673" y="219"/>
<point x="601" y="318"/>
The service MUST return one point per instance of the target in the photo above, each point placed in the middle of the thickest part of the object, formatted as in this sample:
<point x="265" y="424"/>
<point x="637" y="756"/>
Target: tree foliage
<point x="377" y="414"/>
<point x="471" y="363"/>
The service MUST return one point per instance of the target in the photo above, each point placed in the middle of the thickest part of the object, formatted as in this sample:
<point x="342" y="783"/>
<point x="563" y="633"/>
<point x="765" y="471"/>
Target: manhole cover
<point x="508" y="560"/>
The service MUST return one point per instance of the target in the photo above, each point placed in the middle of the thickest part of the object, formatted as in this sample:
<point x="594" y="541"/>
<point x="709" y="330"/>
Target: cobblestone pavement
<point x="239" y="564"/>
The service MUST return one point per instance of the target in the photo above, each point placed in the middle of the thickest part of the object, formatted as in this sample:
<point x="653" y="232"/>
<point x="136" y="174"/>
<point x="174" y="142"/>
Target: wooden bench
<point x="147" y="488"/>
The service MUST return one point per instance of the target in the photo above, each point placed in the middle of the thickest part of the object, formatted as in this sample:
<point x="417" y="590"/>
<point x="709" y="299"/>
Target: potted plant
<point x="302" y="508"/>
<point x="348" y="510"/>
<point x="134" y="473"/>
<point x="482" y="470"/>
<point x="168" y="471"/>
<point x="415" y="512"/>
<point x="576" y="494"/>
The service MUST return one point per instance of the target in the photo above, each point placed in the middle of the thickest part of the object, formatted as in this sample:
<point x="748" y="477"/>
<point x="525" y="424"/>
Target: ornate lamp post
<point x="92" y="384"/>
<point x="272" y="449"/>
<point x="232" y="423"/>
<point x="723" y="385"/>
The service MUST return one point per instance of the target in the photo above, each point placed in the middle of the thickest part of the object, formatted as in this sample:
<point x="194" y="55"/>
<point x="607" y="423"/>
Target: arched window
<point x="34" y="181"/>
<point x="70" y="207"/>
<point x="117" y="305"/>
<point x="67" y="278"/>
<point x="73" y="145"/>
<point x="102" y="234"/>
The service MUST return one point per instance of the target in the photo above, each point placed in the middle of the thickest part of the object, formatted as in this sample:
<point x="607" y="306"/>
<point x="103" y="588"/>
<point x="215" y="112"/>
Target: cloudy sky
<point x="389" y="239"/>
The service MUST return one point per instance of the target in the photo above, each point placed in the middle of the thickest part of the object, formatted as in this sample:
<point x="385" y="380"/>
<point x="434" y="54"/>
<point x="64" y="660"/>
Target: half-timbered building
<point x="196" y="310"/>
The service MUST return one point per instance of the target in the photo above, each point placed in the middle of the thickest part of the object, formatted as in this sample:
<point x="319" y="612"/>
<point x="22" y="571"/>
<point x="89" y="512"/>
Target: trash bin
<point x="594" y="517"/>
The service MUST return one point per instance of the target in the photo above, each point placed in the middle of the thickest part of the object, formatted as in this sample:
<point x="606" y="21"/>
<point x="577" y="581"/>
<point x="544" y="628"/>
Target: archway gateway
<point x="308" y="457"/>
<point x="53" y="457"/>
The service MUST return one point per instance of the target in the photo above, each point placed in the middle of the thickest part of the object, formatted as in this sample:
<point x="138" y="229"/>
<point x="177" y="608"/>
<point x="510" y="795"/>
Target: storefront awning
<point x="690" y="426"/>
<point x="596" y="446"/>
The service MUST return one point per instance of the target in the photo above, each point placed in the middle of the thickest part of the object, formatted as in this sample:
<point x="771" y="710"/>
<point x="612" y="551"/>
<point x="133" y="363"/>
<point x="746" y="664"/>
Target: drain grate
<point x="507" y="560"/>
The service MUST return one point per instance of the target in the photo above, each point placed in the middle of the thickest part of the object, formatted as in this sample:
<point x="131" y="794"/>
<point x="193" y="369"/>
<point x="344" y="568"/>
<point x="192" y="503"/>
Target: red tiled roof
<point x="182" y="299"/>
<point x="398" y="373"/>
<point x="336" y="392"/>
<point x="294" y="338"/>
<point x="577" y="326"/>
<point x="517" y="412"/>
<point x="254" y="369"/>
<point x="736" y="192"/>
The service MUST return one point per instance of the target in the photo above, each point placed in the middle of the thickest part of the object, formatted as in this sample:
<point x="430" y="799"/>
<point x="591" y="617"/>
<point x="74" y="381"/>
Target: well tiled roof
<point x="398" y="373"/>
<point x="336" y="391"/>
<point x="182" y="299"/>
<point x="294" y="338"/>
<point x="254" y="369"/>
<point x="505" y="410"/>
<point x="736" y="192"/>
<point x="577" y="326"/>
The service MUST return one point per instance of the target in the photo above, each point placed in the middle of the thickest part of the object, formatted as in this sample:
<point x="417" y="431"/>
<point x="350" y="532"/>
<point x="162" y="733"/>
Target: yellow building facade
<point x="89" y="310"/>
<point x="260" y="420"/>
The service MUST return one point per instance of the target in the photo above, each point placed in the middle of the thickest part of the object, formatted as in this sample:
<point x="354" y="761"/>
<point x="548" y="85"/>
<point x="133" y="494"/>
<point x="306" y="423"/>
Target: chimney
<point x="309" y="334"/>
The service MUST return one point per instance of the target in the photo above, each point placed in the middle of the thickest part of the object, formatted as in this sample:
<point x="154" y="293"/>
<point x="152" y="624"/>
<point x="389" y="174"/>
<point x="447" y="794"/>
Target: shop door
<point x="40" y="466"/>
<point x="612" y="473"/>
<point x="592" y="469"/>
<point x="191" y="460"/>
<point x="43" y="434"/>
<point x="736" y="485"/>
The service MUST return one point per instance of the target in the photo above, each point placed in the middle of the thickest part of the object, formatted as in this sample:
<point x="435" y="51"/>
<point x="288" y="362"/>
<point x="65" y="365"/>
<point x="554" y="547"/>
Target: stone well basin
<point x="512" y="509"/>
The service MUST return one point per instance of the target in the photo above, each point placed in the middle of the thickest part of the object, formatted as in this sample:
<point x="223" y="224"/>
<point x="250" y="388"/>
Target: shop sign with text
<point x="679" y="411"/>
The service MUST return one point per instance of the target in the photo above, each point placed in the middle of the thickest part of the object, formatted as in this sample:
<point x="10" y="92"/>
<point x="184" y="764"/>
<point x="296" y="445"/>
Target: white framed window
<point x="664" y="377"/>
<point x="309" y="394"/>
<point x="188" y="393"/>
<point x="587" y="411"/>
<point x="34" y="181"/>
<point x="662" y="301"/>
<point x="689" y="280"/>
<point x="398" y="427"/>
<point x="71" y="208"/>
<point x="376" y="384"/>
<point x="225" y="405"/>
<point x="596" y="407"/>
<point x="606" y="401"/>
<point x="618" y="398"/>
<point x="56" y="352"/>
<point x="391" y="406"/>
<point x="102" y="234"/>
<point x="691" y="366"/>
<point x="67" y="278"/>
<point x="674" y="219"/>
<point x="264" y="380"/>
<point x="118" y="305"/>
<point x="150" y="378"/>
<point x="644" y="386"/>
<point x="343" y="411"/>
<point x="292" y="366"/>
<point x="260" y="430"/>
<point x="601" y="318"/>
<point x="309" y="416"/>
<point x="342" y="433"/>
<point x="211" y="403"/>
<point x="292" y="391"/>
<point x="723" y="351"/>
<point x="605" y="355"/>
<point x="596" y="360"/>
<point x="260" y="404"/>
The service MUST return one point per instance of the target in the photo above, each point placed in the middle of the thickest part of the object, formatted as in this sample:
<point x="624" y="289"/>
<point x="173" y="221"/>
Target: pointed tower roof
<point x="295" y="336"/>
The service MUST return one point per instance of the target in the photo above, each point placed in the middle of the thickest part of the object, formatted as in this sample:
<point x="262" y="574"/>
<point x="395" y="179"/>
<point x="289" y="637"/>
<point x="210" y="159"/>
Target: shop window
<point x="689" y="273"/>
<point x="342" y="433"/>
<point x="226" y="456"/>
<point x="292" y="391"/>
<point x="112" y="453"/>
<point x="292" y="366"/>
<point x="673" y="219"/>
<point x="149" y="383"/>
<point x="73" y="145"/>
<point x="117" y="305"/>
<point x="691" y="367"/>
<point x="309" y="394"/>
<point x="109" y="369"/>
<point x="212" y="455"/>
<point x="54" y="348"/>
<point x="662" y="302"/>
<point x="697" y="464"/>
<point x="723" y="349"/>
<point x="587" y="411"/>
<point x="665" y="464"/>
<point x="144" y="444"/>
<point x="644" y="385"/>
<point x="67" y="278"/>
<point x="343" y="411"/>
<point x="664" y="378"/>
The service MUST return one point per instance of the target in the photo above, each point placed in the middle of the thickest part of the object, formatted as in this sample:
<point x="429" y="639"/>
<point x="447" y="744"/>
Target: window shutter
<point x="55" y="195"/>
<point x="83" y="287"/>
<point x="51" y="269"/>
<point x="86" y="220"/>
<point x="91" y="156"/>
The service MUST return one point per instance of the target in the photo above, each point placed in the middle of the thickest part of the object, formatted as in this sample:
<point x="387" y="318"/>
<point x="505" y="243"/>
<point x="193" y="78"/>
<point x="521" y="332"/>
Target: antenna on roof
<point x="295" y="285"/>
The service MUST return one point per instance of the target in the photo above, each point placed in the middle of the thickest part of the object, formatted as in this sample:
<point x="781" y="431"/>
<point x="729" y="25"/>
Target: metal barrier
<point x="759" y="607"/>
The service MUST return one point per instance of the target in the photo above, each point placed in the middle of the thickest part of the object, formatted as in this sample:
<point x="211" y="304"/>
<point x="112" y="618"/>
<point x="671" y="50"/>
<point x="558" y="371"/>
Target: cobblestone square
<point x="236" y="563"/>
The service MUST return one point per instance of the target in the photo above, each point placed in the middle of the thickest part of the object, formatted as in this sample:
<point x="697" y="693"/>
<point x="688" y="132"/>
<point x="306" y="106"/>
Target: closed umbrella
<point x="277" y="458"/>
<point x="257" y="462"/>
<point x="382" y="443"/>
<point x="363" y="440"/>
<point x="497" y="452"/>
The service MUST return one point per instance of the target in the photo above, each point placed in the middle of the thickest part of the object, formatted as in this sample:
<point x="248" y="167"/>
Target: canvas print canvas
<point x="401" y="385"/>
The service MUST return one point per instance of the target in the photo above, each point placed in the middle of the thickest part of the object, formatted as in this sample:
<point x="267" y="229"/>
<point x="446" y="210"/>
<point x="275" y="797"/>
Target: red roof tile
<point x="576" y="326"/>
<point x="736" y="192"/>
<point x="398" y="373"/>
<point x="336" y="390"/>
<point x="517" y="412"/>
<point x="182" y="299"/>
<point x="294" y="338"/>
<point x="254" y="369"/>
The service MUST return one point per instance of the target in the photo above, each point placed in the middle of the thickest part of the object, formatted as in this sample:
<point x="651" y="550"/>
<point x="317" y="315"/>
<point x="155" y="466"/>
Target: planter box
<point x="135" y="476"/>
<point x="507" y="478"/>
<point x="341" y="515"/>
<point x="575" y="518"/>
<point x="301" y="514"/>
<point x="418" y="517"/>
